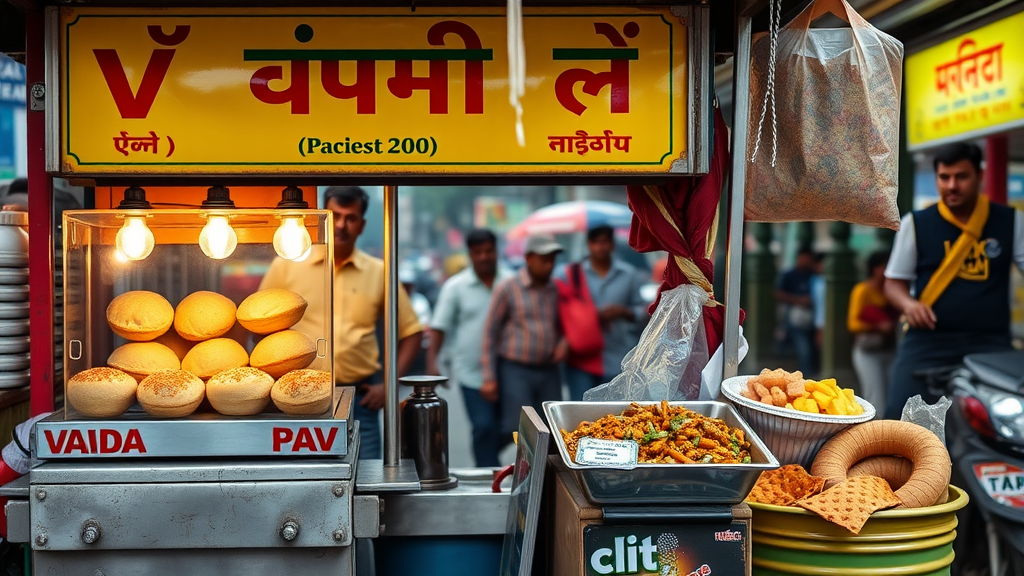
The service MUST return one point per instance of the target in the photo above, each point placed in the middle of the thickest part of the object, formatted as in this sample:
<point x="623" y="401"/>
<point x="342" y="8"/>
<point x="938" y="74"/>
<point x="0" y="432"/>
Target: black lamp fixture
<point x="218" y="197"/>
<point x="291" y="197"/>
<point x="134" y="199"/>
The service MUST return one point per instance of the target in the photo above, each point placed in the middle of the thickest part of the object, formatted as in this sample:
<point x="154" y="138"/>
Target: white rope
<point x="774" y="11"/>
<point x="516" y="64"/>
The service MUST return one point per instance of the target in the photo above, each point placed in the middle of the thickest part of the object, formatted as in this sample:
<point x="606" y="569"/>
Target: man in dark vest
<point x="955" y="258"/>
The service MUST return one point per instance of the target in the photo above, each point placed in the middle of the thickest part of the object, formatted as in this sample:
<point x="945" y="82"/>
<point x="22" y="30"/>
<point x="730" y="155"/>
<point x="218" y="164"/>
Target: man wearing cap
<point x="523" y="342"/>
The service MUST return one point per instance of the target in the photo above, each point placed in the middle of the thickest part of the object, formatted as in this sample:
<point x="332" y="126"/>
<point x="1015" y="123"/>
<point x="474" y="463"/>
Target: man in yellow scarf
<point x="949" y="273"/>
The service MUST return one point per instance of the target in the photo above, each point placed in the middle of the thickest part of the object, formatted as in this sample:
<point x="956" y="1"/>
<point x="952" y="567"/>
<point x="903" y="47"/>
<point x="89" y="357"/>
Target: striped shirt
<point x="522" y="323"/>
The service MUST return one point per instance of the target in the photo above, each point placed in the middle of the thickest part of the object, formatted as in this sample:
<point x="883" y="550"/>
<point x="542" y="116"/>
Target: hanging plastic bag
<point x="673" y="349"/>
<point x="823" y="137"/>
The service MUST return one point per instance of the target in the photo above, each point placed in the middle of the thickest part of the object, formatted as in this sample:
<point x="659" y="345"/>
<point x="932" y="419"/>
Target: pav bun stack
<point x="282" y="352"/>
<point x="303" y="392"/>
<point x="171" y="393"/>
<point x="240" y="391"/>
<point x="272" y="310"/>
<point x="208" y="358"/>
<point x="101" y="392"/>
<point x="140" y="315"/>
<point x="140" y="359"/>
<point x="204" y="315"/>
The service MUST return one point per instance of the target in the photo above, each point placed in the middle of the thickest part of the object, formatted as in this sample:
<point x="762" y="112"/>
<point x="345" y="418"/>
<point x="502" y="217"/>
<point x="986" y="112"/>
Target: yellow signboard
<point x="967" y="87"/>
<point x="371" y="91"/>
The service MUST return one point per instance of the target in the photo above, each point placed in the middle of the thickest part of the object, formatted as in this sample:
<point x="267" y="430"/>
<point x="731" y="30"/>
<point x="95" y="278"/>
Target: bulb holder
<point x="134" y="199"/>
<point x="291" y="197"/>
<point x="218" y="197"/>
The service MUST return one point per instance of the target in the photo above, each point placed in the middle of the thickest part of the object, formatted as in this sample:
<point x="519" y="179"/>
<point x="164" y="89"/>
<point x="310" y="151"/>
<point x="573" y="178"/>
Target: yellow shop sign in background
<point x="970" y="86"/>
<point x="369" y="91"/>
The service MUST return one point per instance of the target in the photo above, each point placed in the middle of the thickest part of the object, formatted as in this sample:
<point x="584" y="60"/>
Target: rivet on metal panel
<point x="338" y="490"/>
<point x="42" y="539"/>
<point x="339" y="534"/>
<point x="41" y="494"/>
<point x="90" y="532"/>
<point x="290" y="530"/>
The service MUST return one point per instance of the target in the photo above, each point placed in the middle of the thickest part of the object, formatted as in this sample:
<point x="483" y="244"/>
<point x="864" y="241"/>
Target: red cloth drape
<point x="690" y="204"/>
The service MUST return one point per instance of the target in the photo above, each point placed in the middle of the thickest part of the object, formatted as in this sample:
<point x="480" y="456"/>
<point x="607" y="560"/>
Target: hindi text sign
<point x="373" y="91"/>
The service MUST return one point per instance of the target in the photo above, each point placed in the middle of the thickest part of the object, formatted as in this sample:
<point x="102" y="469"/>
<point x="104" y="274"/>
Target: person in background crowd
<point x="421" y="306"/>
<point x="957" y="256"/>
<point x="458" y="321"/>
<point x="523" y="342"/>
<point x="794" y="292"/>
<point x="614" y="287"/>
<point x="358" y="304"/>
<point x="872" y="320"/>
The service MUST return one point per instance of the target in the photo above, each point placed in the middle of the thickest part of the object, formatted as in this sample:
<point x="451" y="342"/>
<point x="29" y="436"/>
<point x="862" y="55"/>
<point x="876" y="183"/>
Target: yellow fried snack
<point x="667" y="435"/>
<point x="790" y="390"/>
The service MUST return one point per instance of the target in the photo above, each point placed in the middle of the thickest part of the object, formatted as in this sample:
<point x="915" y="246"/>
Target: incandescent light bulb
<point x="218" y="238"/>
<point x="134" y="240"/>
<point x="292" y="241"/>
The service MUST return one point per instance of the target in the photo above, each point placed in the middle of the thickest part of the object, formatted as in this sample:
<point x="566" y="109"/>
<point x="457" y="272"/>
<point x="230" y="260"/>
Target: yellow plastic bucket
<point x="917" y="541"/>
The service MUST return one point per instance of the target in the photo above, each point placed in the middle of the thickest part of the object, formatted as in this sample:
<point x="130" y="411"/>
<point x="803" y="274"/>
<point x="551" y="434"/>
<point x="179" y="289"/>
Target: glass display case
<point x="243" y="287"/>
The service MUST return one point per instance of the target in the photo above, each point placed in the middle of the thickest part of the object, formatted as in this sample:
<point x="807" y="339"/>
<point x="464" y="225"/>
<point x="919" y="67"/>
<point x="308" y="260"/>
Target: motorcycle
<point x="985" y="438"/>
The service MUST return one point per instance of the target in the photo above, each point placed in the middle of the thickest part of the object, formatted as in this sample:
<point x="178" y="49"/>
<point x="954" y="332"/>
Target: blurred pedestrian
<point x="421" y="306"/>
<point x="872" y="321"/>
<point x="523" y="343"/>
<point x="457" y="328"/>
<point x="794" y="292"/>
<point x="613" y="286"/>
<point x="957" y="256"/>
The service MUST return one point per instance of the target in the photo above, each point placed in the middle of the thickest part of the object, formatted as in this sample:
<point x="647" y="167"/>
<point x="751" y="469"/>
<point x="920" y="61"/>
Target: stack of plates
<point x="14" y="307"/>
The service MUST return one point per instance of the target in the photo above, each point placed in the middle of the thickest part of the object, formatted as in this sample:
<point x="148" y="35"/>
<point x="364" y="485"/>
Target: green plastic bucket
<point x="913" y="541"/>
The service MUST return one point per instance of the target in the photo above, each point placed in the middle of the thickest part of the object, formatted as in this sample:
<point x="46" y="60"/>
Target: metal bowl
<point x="18" y="327"/>
<point x="14" y="293"/>
<point x="661" y="483"/>
<point x="794" y="437"/>
<point x="13" y="275"/>
<point x="14" y="379"/>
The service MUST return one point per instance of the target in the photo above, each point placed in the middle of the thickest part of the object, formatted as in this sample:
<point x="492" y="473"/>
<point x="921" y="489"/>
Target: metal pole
<point x="734" y="248"/>
<point x="392" y="442"/>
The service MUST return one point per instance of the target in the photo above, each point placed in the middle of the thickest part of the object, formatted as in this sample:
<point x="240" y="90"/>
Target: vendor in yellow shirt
<point x="872" y="322"/>
<point x="358" y="305"/>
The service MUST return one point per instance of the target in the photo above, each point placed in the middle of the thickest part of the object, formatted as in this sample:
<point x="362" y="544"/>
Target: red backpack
<point x="580" y="323"/>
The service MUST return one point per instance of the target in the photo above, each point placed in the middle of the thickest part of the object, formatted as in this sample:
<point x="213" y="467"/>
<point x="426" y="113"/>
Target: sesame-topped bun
<point x="240" y="391"/>
<point x="203" y="315"/>
<point x="206" y="359"/>
<point x="140" y="359"/>
<point x="101" y="392"/>
<point x="303" y="392"/>
<point x="139" y="315"/>
<point x="171" y="393"/>
<point x="271" y="310"/>
<point x="283" y="352"/>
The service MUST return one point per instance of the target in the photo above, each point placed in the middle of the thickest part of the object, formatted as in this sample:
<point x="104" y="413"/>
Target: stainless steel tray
<point x="661" y="483"/>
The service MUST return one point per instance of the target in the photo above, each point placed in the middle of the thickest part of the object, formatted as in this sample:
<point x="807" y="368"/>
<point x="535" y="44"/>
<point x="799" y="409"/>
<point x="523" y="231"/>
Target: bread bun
<point x="176" y="343"/>
<point x="140" y="359"/>
<point x="240" y="391"/>
<point x="208" y="358"/>
<point x="283" y="352"/>
<point x="303" y="392"/>
<point x="171" y="393"/>
<point x="101" y="392"/>
<point x="203" y="315"/>
<point x="139" y="315"/>
<point x="271" y="310"/>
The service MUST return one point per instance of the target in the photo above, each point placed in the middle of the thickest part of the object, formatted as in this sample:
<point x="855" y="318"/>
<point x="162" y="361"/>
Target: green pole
<point x="759" y="294"/>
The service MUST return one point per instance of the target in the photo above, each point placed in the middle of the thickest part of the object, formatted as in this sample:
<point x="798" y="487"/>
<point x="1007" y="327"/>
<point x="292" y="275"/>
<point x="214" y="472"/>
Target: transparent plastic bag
<point x="673" y="350"/>
<point x="931" y="416"/>
<point x="827" y="140"/>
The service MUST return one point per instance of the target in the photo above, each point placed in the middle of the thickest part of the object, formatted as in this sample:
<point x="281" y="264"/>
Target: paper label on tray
<point x="616" y="453"/>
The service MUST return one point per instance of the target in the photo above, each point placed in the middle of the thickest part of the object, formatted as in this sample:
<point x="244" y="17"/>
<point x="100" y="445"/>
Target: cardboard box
<point x="586" y="543"/>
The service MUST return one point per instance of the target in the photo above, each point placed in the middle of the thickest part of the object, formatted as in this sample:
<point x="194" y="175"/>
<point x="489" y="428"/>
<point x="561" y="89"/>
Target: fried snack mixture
<point x="667" y="435"/>
<point x="790" y="390"/>
<point x="785" y="485"/>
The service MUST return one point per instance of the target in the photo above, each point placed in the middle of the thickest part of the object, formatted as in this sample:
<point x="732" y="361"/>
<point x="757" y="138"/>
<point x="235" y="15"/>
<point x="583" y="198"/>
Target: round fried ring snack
<point x="895" y="470"/>
<point x="931" y="464"/>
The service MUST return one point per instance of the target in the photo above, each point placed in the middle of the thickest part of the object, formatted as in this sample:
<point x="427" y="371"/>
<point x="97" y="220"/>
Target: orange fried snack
<point x="852" y="502"/>
<point x="785" y="485"/>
